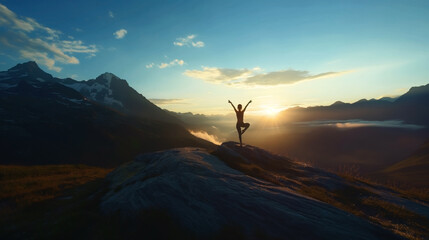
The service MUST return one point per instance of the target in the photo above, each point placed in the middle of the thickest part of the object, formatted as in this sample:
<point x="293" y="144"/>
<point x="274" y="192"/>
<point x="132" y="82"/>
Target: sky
<point x="194" y="56"/>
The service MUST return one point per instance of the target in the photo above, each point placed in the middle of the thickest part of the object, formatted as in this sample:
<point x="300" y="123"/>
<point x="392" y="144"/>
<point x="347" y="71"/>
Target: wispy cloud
<point x="287" y="77"/>
<point x="111" y="14"/>
<point x="172" y="63"/>
<point x="165" y="101"/>
<point x="150" y="65"/>
<point x="188" y="41"/>
<point x="77" y="46"/>
<point x="253" y="77"/>
<point x="120" y="33"/>
<point x="32" y="40"/>
<point x="221" y="75"/>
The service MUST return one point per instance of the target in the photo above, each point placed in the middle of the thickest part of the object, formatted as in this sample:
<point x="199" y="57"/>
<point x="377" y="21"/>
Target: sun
<point x="271" y="111"/>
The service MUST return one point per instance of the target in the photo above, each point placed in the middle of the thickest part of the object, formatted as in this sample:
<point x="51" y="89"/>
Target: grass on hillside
<point x="41" y="214"/>
<point x="25" y="185"/>
<point x="366" y="204"/>
<point x="352" y="197"/>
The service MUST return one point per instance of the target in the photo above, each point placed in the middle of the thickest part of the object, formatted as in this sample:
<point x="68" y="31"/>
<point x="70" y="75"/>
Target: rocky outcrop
<point x="204" y="195"/>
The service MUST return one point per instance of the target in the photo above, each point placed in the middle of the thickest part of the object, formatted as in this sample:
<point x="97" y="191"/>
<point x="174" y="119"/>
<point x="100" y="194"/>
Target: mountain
<point x="111" y="91"/>
<point x="44" y="121"/>
<point x="28" y="71"/>
<point x="413" y="171"/>
<point x="410" y="107"/>
<point x="413" y="105"/>
<point x="254" y="194"/>
<point x="107" y="89"/>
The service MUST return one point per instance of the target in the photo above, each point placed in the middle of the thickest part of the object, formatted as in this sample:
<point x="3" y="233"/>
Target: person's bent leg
<point x="246" y="126"/>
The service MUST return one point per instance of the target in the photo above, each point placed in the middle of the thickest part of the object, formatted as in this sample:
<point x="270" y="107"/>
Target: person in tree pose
<point x="240" y="117"/>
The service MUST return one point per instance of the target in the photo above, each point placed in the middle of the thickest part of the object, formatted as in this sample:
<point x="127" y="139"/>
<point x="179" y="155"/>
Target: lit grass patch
<point x="397" y="218"/>
<point x="24" y="185"/>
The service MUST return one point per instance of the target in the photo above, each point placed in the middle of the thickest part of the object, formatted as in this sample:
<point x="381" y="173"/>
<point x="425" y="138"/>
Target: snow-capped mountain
<point x="28" y="71"/>
<point x="114" y="92"/>
<point x="107" y="89"/>
<point x="98" y="90"/>
<point x="47" y="120"/>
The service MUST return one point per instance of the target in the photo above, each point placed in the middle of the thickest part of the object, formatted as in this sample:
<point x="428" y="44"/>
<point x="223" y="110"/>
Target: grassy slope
<point x="61" y="202"/>
<point x="24" y="185"/>
<point x="356" y="196"/>
<point x="51" y="202"/>
<point x="412" y="171"/>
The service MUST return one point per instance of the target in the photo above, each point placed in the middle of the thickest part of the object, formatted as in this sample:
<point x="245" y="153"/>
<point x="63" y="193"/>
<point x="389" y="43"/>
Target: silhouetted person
<point x="240" y="123"/>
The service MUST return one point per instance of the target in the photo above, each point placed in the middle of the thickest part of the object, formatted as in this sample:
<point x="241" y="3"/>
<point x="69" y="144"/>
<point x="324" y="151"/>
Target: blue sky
<point x="195" y="55"/>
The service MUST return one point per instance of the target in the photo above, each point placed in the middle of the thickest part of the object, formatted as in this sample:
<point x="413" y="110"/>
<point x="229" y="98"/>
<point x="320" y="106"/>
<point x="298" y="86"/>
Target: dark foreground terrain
<point x="191" y="193"/>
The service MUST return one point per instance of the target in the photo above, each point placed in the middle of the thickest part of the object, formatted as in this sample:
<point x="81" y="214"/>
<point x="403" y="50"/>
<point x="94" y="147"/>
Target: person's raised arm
<point x="232" y="105"/>
<point x="247" y="105"/>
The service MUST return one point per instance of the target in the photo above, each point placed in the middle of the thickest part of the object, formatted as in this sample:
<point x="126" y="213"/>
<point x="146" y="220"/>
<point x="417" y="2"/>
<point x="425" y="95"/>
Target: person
<point x="240" y="120"/>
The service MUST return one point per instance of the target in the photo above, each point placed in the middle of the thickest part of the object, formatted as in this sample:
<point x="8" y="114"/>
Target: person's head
<point x="239" y="107"/>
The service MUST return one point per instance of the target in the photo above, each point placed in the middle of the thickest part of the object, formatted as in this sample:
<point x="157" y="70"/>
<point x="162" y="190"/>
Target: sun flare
<point x="271" y="111"/>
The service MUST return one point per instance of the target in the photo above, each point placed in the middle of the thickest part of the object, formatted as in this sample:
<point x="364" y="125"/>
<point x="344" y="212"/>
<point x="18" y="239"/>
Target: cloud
<point x="286" y="77"/>
<point x="77" y="46"/>
<point x="172" y="63"/>
<point x="111" y="15"/>
<point x="198" y="44"/>
<point x="252" y="77"/>
<point x="220" y="75"/>
<point x="31" y="40"/>
<point x="7" y="17"/>
<point x="204" y="135"/>
<point x="188" y="41"/>
<point x="40" y="58"/>
<point x="120" y="33"/>
<point x="165" y="101"/>
<point x="150" y="65"/>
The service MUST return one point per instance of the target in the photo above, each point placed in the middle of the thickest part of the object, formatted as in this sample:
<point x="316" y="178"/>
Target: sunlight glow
<point x="271" y="111"/>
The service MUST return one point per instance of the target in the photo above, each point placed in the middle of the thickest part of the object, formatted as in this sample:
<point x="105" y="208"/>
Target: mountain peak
<point x="30" y="68"/>
<point x="337" y="103"/>
<point x="421" y="93"/>
<point x="363" y="100"/>
<point x="108" y="76"/>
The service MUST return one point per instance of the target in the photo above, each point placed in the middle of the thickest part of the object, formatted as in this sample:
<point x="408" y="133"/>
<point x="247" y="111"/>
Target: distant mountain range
<point x="412" y="107"/>
<point x="104" y="122"/>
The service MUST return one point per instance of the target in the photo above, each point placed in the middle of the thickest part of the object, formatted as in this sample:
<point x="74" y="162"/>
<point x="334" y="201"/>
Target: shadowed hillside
<point x="413" y="171"/>
<point x="231" y="193"/>
<point x="43" y="121"/>
<point x="268" y="194"/>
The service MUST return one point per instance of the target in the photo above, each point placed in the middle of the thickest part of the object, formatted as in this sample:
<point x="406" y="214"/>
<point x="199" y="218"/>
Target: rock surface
<point x="204" y="195"/>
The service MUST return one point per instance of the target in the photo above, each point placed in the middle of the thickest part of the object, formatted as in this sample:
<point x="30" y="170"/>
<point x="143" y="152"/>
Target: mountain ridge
<point x="106" y="89"/>
<point x="409" y="107"/>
